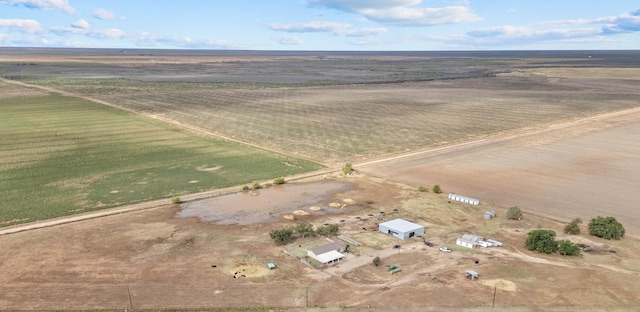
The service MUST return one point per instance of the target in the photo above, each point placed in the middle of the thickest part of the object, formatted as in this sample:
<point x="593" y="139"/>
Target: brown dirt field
<point x="585" y="169"/>
<point x="157" y="259"/>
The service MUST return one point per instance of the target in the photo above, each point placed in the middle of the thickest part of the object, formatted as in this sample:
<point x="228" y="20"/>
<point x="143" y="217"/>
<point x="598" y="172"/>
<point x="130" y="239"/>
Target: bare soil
<point x="161" y="258"/>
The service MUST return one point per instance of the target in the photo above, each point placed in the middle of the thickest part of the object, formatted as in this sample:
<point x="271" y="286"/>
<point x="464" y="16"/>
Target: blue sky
<point x="322" y="24"/>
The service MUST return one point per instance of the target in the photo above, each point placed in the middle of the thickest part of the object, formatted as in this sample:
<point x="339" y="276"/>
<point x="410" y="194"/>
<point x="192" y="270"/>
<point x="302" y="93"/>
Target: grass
<point x="62" y="155"/>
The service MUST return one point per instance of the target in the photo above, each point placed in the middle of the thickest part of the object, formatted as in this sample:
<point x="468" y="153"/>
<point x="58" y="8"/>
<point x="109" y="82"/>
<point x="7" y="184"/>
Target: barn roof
<point x="401" y="225"/>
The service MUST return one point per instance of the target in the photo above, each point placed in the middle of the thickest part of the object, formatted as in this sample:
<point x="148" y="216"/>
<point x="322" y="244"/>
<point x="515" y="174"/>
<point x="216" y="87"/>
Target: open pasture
<point x="61" y="155"/>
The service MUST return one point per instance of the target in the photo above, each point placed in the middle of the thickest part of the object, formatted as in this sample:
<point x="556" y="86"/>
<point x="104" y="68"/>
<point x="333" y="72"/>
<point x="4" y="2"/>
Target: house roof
<point x="327" y="247"/>
<point x="471" y="237"/>
<point x="329" y="256"/>
<point x="401" y="225"/>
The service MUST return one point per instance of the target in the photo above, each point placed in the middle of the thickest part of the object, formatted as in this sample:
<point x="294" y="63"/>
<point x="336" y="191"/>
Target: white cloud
<point x="104" y="14"/>
<point x="62" y="5"/>
<point x="22" y="25"/>
<point x="82" y="24"/>
<point x="338" y="29"/>
<point x="289" y="40"/>
<point x="403" y="12"/>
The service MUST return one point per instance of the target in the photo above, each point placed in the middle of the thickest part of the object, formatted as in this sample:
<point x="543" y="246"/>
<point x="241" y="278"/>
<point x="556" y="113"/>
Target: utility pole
<point x="495" y="289"/>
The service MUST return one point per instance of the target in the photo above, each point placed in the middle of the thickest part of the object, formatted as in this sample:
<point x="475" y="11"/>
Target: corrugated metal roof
<point x="329" y="256"/>
<point x="401" y="225"/>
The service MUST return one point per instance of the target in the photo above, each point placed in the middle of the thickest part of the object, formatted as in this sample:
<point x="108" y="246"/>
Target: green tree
<point x="328" y="229"/>
<point x="282" y="236"/>
<point x="422" y="188"/>
<point x="606" y="227"/>
<point x="568" y="248"/>
<point x="436" y="189"/>
<point x="278" y="181"/>
<point x="542" y="241"/>
<point x="304" y="228"/>
<point x="573" y="227"/>
<point x="514" y="213"/>
<point x="347" y="168"/>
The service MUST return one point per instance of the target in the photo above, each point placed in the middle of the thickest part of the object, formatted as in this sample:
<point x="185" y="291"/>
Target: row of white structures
<point x="472" y="240"/>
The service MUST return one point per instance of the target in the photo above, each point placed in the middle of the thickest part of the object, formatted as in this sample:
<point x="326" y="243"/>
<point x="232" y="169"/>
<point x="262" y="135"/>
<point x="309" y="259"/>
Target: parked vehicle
<point x="445" y="249"/>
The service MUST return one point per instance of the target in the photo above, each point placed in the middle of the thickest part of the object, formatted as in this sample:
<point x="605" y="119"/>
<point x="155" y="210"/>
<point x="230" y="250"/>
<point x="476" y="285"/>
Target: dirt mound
<point x="300" y="213"/>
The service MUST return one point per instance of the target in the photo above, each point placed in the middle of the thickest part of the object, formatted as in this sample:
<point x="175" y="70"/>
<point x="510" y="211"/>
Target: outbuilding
<point x="401" y="229"/>
<point x="464" y="199"/>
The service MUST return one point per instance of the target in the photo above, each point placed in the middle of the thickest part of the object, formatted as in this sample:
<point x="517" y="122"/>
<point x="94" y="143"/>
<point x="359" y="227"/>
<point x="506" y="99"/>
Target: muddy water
<point x="267" y="205"/>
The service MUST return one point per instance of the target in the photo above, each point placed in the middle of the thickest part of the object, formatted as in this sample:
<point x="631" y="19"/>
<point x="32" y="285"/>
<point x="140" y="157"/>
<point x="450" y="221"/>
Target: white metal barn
<point x="464" y="199"/>
<point x="401" y="229"/>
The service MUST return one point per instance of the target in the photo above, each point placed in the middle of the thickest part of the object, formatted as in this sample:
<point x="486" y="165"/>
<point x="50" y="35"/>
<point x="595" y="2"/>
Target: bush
<point x="256" y="186"/>
<point x="246" y="188"/>
<point x="330" y="229"/>
<point x="176" y="200"/>
<point x="347" y="168"/>
<point x="606" y="227"/>
<point x="437" y="189"/>
<point x="281" y="237"/>
<point x="377" y="261"/>
<point x="542" y="241"/>
<point x="278" y="181"/>
<point x="568" y="248"/>
<point x="423" y="188"/>
<point x="573" y="227"/>
<point x="514" y="213"/>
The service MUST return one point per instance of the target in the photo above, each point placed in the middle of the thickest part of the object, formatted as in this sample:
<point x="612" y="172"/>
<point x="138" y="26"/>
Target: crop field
<point x="62" y="155"/>
<point x="342" y="108"/>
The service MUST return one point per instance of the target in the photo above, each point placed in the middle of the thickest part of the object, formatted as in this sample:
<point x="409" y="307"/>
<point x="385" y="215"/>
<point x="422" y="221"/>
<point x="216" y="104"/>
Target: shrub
<point x="377" y="261"/>
<point x="514" y="213"/>
<point x="328" y="229"/>
<point x="606" y="227"/>
<point x="278" y="181"/>
<point x="281" y="237"/>
<point x="347" y="168"/>
<point x="568" y="248"/>
<point x="542" y="241"/>
<point x="423" y="188"/>
<point x="256" y="186"/>
<point x="437" y="189"/>
<point x="176" y="200"/>
<point x="246" y="188"/>
<point x="573" y="227"/>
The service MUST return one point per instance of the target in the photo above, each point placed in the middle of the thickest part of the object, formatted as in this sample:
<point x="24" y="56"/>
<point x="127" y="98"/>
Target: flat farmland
<point x="62" y="155"/>
<point x="336" y="124"/>
<point x="340" y="107"/>
<point x="583" y="169"/>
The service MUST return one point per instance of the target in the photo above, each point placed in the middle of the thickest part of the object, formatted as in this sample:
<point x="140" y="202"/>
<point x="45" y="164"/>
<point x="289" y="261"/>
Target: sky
<point x="329" y="25"/>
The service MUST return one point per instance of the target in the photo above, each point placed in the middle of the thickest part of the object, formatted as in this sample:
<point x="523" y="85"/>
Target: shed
<point x="464" y="199"/>
<point x="488" y="215"/>
<point x="469" y="240"/>
<point x="401" y="229"/>
<point x="271" y="265"/>
<point x="473" y="274"/>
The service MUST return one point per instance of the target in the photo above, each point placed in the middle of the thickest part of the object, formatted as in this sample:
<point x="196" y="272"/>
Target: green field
<point x="62" y="155"/>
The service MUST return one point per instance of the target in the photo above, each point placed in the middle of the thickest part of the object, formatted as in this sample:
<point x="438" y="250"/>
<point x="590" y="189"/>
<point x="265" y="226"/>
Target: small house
<point x="328" y="253"/>
<point x="401" y="229"/>
<point x="469" y="240"/>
